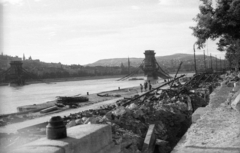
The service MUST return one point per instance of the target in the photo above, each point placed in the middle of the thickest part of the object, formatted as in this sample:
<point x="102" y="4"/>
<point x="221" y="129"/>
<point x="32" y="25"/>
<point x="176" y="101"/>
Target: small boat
<point x="35" y="107"/>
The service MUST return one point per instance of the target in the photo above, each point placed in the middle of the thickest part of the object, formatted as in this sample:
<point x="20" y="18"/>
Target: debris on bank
<point x="71" y="101"/>
<point x="169" y="110"/>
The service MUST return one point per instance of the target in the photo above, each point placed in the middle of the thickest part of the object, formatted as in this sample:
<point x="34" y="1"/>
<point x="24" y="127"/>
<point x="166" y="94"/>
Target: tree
<point x="222" y="22"/>
<point x="232" y="50"/>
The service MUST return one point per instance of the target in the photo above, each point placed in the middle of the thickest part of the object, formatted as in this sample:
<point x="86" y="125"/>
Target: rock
<point x="93" y="120"/>
<point x="103" y="119"/>
<point x="86" y="121"/>
<point x="119" y="111"/>
<point x="236" y="103"/>
<point x="132" y="106"/>
<point x="160" y="142"/>
<point x="138" y="113"/>
<point x="230" y="84"/>
<point x="109" y="115"/>
<point x="71" y="124"/>
<point x="78" y="121"/>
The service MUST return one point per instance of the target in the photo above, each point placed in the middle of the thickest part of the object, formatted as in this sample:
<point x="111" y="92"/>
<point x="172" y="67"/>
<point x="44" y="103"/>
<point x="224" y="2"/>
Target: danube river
<point x="12" y="97"/>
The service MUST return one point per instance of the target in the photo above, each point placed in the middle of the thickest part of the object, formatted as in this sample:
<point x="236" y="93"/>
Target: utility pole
<point x="211" y="60"/>
<point x="224" y="64"/>
<point x="220" y="64"/>
<point x="216" y="64"/>
<point x="204" y="60"/>
<point x="195" y="64"/>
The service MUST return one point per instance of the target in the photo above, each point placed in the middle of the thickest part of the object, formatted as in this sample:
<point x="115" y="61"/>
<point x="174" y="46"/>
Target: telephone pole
<point x="220" y="64"/>
<point x="211" y="60"/>
<point x="216" y="64"/>
<point x="204" y="60"/>
<point x="195" y="65"/>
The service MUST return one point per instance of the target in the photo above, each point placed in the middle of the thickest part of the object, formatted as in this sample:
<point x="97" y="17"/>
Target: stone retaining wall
<point x="92" y="138"/>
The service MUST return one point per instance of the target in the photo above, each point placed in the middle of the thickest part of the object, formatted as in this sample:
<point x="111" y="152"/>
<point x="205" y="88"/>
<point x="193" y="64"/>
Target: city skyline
<point x="84" y="31"/>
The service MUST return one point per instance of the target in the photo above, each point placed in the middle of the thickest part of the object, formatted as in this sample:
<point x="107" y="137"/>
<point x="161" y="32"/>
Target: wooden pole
<point x="195" y="64"/>
<point x="204" y="60"/>
<point x="176" y="73"/>
<point x="211" y="61"/>
<point x="220" y="64"/>
<point x="216" y="64"/>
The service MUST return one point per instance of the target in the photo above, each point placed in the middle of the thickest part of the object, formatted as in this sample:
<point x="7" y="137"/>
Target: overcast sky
<point x="84" y="31"/>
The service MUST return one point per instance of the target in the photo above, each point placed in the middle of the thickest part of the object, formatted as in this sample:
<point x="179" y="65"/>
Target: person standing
<point x="150" y="87"/>
<point x="145" y="86"/>
<point x="141" y="87"/>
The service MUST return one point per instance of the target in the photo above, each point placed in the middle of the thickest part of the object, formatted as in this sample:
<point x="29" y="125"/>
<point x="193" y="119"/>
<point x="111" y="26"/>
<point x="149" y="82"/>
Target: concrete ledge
<point x="90" y="138"/>
<point x="199" y="149"/>
<point x="198" y="113"/>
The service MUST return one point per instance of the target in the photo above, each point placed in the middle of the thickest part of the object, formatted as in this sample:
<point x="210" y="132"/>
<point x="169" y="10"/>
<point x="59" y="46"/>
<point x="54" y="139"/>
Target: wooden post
<point x="195" y="64"/>
<point x="149" y="141"/>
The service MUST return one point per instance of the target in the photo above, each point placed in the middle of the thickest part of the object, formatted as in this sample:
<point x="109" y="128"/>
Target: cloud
<point x="182" y="3"/>
<point x="134" y="7"/>
<point x="168" y="2"/>
<point x="12" y="1"/>
<point x="105" y="28"/>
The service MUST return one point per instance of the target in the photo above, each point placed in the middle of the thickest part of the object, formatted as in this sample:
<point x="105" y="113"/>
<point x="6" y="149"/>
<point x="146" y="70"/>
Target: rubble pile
<point x="170" y="110"/>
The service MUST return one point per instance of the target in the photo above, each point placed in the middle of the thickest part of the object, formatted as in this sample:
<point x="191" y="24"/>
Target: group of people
<point x="146" y="85"/>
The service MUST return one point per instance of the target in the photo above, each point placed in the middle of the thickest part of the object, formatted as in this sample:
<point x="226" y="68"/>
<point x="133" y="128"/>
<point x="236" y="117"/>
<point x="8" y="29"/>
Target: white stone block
<point x="93" y="138"/>
<point x="236" y="103"/>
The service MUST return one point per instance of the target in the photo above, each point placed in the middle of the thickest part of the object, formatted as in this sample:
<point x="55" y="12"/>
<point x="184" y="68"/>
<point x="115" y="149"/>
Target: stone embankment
<point x="216" y="128"/>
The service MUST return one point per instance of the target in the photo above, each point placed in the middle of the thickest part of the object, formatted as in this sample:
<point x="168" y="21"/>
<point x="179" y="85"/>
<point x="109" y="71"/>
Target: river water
<point x="13" y="97"/>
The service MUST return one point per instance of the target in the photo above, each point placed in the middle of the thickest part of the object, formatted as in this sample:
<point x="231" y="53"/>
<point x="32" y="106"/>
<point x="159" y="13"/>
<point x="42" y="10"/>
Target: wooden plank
<point x="150" y="140"/>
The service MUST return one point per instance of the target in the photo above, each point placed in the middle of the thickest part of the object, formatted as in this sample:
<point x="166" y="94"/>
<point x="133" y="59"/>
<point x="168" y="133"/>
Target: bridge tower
<point x="151" y="68"/>
<point x="15" y="73"/>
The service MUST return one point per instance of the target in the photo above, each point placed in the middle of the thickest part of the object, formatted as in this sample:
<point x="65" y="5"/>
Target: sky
<point x="84" y="31"/>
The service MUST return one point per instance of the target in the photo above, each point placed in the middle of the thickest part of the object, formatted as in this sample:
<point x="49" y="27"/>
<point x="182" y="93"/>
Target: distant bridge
<point x="16" y="74"/>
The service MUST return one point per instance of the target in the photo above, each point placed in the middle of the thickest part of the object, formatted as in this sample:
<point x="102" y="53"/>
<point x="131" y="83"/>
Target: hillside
<point x="135" y="62"/>
<point x="169" y="63"/>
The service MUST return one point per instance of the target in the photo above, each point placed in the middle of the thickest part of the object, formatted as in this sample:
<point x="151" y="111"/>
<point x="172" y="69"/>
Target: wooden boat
<point x="35" y="106"/>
